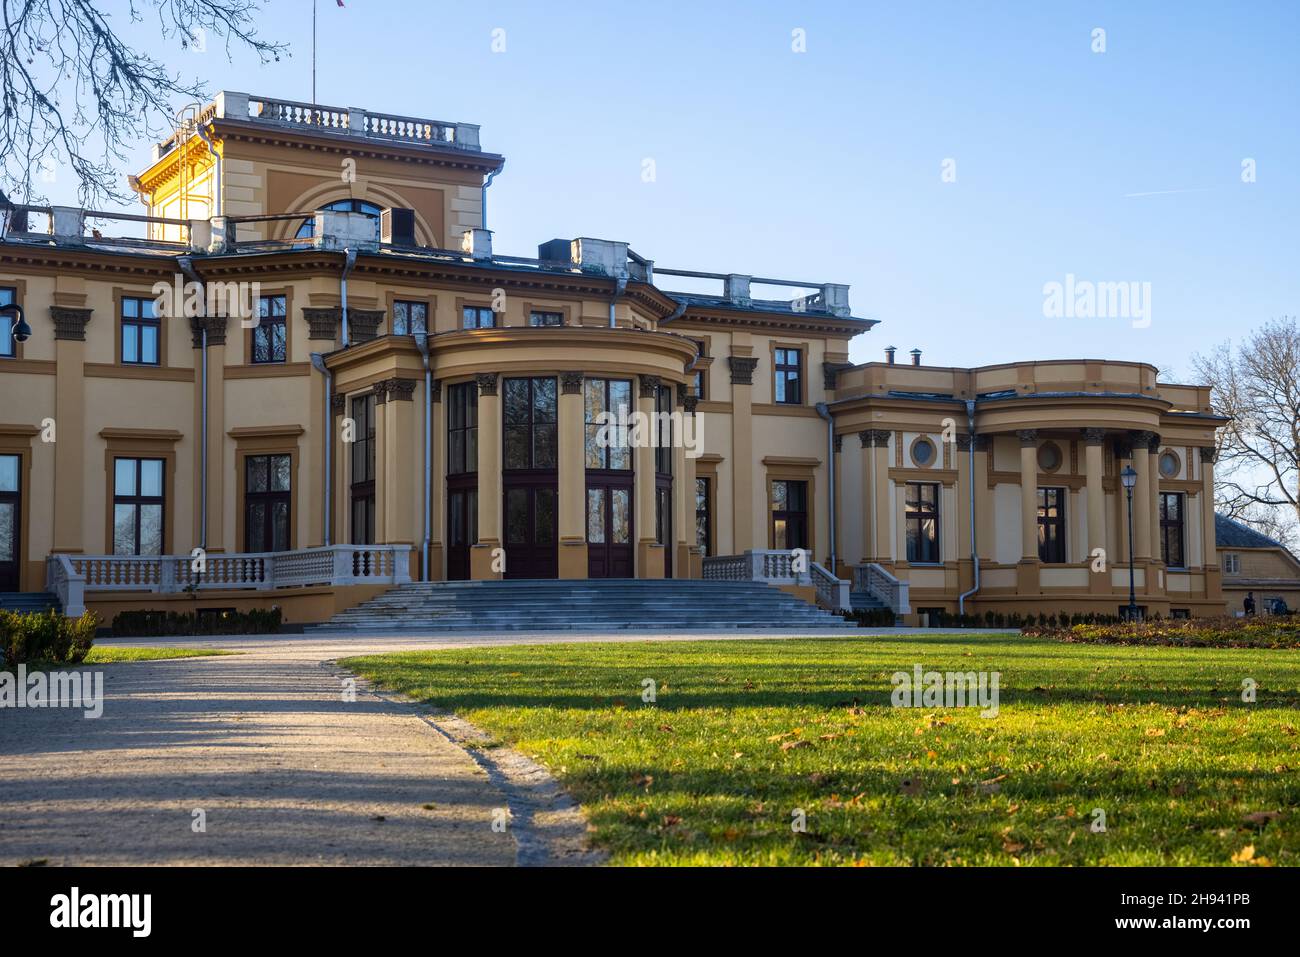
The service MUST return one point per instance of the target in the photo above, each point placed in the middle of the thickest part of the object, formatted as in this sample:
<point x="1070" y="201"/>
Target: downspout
<point x="349" y="260"/>
<point x="318" y="363"/>
<point x="186" y="266"/>
<point x="620" y="287"/>
<point x="486" y="183"/>
<point x="422" y="343"/>
<point x="216" y="169"/>
<point x="974" y="552"/>
<point x="830" y="458"/>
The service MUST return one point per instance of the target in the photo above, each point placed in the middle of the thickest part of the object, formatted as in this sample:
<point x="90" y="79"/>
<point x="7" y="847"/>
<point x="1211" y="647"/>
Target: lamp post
<point x="20" y="330"/>
<point x="1129" y="477"/>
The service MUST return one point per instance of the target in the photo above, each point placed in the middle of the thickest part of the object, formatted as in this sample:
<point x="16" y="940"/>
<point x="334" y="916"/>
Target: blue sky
<point x="825" y="165"/>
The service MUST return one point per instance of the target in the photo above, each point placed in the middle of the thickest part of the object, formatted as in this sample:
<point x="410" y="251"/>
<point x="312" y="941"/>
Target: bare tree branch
<point x="75" y="95"/>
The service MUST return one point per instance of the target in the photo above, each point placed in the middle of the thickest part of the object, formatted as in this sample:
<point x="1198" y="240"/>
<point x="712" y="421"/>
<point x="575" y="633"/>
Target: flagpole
<point x="313" y="52"/>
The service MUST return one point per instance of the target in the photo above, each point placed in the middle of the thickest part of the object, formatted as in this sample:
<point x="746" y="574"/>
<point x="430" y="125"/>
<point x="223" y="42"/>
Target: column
<point x="1094" y="467"/>
<point x="1142" y="498"/>
<point x="1153" y="473"/>
<point x="742" y="456"/>
<point x="649" y="553"/>
<point x="382" y="490"/>
<point x="486" y="556"/>
<point x="985" y="538"/>
<point x="837" y="445"/>
<point x="965" y="480"/>
<point x="70" y="429"/>
<point x="400" y="449"/>
<point x="437" y="484"/>
<point x="1213" y="571"/>
<point x="339" y="532"/>
<point x="882" y="483"/>
<point x="867" y="493"/>
<point x="693" y="566"/>
<point x="1027" y="570"/>
<point x="572" y="477"/>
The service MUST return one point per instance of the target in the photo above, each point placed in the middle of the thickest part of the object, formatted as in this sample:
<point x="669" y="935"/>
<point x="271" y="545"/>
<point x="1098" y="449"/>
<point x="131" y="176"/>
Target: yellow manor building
<point x="310" y="380"/>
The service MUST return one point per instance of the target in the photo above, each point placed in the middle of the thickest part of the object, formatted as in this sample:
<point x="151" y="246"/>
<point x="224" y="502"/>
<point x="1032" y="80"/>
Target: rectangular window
<point x="664" y="430"/>
<point x="410" y="317"/>
<point x="462" y="428"/>
<point x="703" y="515"/>
<point x="536" y="318"/>
<point x="701" y="375"/>
<point x="1051" y="526"/>
<point x="530" y="424"/>
<point x="270" y="335"/>
<point x="1171" y="529"/>
<point x="789" y="376"/>
<point x="8" y="348"/>
<point x="137" y="506"/>
<point x="922" y="518"/>
<point x="607" y="407"/>
<point x="267" y="502"/>
<point x="140" y="332"/>
<point x="1231" y="564"/>
<point x="363" y="470"/>
<point x="477" y="317"/>
<point x="789" y="515"/>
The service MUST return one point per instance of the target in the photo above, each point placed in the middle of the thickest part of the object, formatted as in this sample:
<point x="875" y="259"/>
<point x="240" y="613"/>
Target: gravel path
<point x="283" y="769"/>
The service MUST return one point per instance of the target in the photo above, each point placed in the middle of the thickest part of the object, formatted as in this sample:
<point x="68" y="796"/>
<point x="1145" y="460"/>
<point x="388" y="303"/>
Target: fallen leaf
<point x="1245" y="855"/>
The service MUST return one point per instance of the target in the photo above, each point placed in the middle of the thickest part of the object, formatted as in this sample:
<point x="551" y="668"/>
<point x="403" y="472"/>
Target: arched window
<point x="308" y="228"/>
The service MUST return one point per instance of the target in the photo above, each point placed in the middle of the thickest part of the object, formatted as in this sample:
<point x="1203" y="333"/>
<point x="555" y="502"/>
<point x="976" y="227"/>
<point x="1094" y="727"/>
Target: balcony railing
<point x="877" y="581"/>
<point x="70" y="576"/>
<point x="778" y="567"/>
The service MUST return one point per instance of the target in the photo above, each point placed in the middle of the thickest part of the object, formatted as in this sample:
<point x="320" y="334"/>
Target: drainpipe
<point x="216" y="169"/>
<point x="830" y="458"/>
<point x="422" y="343"/>
<point x="620" y="287"/>
<point x="186" y="266"/>
<point x="349" y="260"/>
<point x="318" y="363"/>
<point x="974" y="552"/>
<point x="486" y="183"/>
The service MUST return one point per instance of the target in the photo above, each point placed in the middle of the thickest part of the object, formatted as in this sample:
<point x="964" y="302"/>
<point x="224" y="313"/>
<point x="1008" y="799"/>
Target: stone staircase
<point x="27" y="601"/>
<point x="582" y="605"/>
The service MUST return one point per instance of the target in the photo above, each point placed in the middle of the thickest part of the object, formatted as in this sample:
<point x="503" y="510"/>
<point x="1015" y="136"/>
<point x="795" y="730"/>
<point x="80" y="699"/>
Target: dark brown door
<point x="664" y="519"/>
<point x="462" y="529"/>
<point x="531" y="546"/>
<point x="609" y="526"/>
<point x="11" y="513"/>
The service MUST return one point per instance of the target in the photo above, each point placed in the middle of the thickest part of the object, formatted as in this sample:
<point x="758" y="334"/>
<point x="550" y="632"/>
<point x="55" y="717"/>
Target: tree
<point x="74" y="94"/>
<point x="1257" y="384"/>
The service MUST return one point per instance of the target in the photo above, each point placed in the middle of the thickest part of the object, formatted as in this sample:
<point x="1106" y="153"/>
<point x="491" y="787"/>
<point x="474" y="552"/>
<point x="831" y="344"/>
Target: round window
<point x="1049" y="457"/>
<point x="923" y="452"/>
<point x="1169" y="464"/>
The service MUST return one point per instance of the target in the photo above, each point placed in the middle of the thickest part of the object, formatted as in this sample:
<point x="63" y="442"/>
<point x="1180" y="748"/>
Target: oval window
<point x="1049" y="457"/>
<point x="923" y="452"/>
<point x="1169" y="464"/>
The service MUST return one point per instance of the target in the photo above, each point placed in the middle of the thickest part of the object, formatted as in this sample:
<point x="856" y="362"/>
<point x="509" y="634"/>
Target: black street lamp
<point x="1129" y="477"/>
<point x="20" y="329"/>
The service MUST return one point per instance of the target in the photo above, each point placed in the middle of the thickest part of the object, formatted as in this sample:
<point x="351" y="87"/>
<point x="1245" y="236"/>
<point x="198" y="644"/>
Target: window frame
<point x="479" y="312"/>
<point x="1167" y="525"/>
<point x="1053" y="549"/>
<point x="409" y="305"/>
<point x="788" y="514"/>
<point x="9" y="346"/>
<point x="705" y="482"/>
<point x="588" y="424"/>
<point x="259" y="331"/>
<point x="137" y="325"/>
<point x="308" y="228"/>
<point x="531" y="428"/>
<point x="785" y="373"/>
<point x="462" y="419"/>
<point x="269" y="498"/>
<point x="917" y="510"/>
<point x="137" y="500"/>
<point x="361" y="489"/>
<point x="550" y="313"/>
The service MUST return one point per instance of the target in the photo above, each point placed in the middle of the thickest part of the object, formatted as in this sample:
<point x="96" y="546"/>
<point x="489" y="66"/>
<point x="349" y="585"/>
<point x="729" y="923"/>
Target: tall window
<point x="1171" y="529"/>
<point x="477" y="317"/>
<point x="409" y="318"/>
<point x="1051" y="525"/>
<point x="137" y="506"/>
<point x="530" y="414"/>
<point x="270" y="339"/>
<point x="663" y="430"/>
<point x="308" y="229"/>
<point x="140" y="332"/>
<point x="267" y="503"/>
<point x="703" y="515"/>
<point x="922" y="517"/>
<point x="607" y="402"/>
<point x="789" y="376"/>
<point x="789" y="514"/>
<point x="363" y="470"/>
<point x="8" y="294"/>
<point x="462" y="428"/>
<point x="536" y="318"/>
<point x="701" y="375"/>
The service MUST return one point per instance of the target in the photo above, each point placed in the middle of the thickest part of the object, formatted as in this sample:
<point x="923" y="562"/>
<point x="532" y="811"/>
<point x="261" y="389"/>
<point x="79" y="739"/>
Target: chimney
<point x="916" y="357"/>
<point x="477" y="243"/>
<point x="889" y="354"/>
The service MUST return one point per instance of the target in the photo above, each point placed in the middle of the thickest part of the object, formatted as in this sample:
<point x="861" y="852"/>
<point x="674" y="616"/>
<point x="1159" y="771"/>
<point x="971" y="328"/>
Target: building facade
<point x="1256" y="565"/>
<point x="311" y="376"/>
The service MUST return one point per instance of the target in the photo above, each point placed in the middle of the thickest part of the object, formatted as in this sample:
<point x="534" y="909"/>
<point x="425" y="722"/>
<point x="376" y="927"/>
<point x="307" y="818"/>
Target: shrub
<point x="46" y="636"/>
<point x="152" y="623"/>
<point x="1255" y="632"/>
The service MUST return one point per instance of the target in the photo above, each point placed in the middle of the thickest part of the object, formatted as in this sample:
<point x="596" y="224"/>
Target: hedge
<point x="45" y="636"/>
<point x="152" y="623"/>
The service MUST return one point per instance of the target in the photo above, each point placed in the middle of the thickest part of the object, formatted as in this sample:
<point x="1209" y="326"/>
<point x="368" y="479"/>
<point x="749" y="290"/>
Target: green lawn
<point x="107" y="654"/>
<point x="745" y="732"/>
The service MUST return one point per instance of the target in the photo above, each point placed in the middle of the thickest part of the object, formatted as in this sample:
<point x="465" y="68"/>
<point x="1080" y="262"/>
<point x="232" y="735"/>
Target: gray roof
<point x="1229" y="533"/>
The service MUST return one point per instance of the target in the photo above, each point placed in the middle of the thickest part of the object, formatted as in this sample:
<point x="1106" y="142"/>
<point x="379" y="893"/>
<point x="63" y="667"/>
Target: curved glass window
<point x="308" y="227"/>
